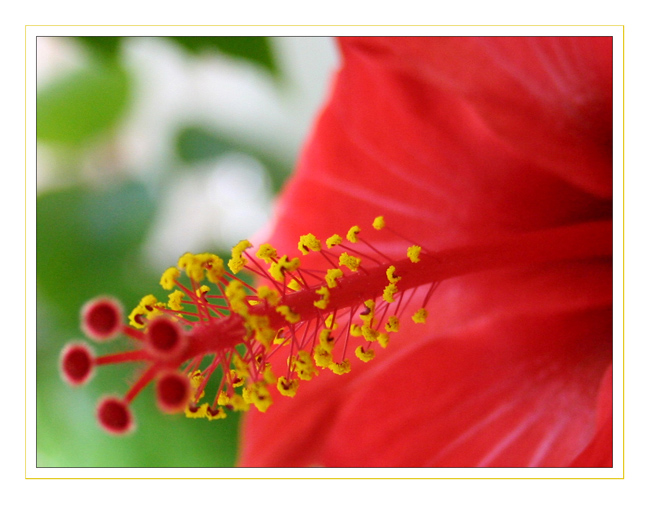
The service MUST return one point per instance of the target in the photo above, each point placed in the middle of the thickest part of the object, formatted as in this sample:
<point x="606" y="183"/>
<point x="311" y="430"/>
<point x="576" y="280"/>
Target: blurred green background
<point x="148" y="148"/>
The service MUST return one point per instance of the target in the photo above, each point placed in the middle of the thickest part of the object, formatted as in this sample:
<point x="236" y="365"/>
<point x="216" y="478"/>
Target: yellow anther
<point x="287" y="387"/>
<point x="223" y="398"/>
<point x="369" y="313"/>
<point x="332" y="275"/>
<point x="413" y="253"/>
<point x="174" y="302"/>
<point x="355" y="330"/>
<point x="304" y="365"/>
<point x="214" y="414"/>
<point x="236" y="296"/>
<point x="213" y="266"/>
<point x="322" y="356"/>
<point x="241" y="247"/>
<point x="194" y="266"/>
<point x="149" y="307"/>
<point x="392" y="325"/>
<point x="185" y="261"/>
<point x="288" y="314"/>
<point x="257" y="394"/>
<point x="196" y="379"/>
<point x="352" y="234"/>
<point x="268" y="375"/>
<point x="235" y="401"/>
<point x="204" y="411"/>
<point x="168" y="279"/>
<point x="329" y="322"/>
<point x="390" y="273"/>
<point x="326" y="339"/>
<point x="369" y="333"/>
<point x="340" y="368"/>
<point x="383" y="340"/>
<point x="289" y="265"/>
<point x="309" y="243"/>
<point x="379" y="223"/>
<point x="278" y="269"/>
<point x="349" y="261"/>
<point x="389" y="293"/>
<point x="364" y="355"/>
<point x="236" y="264"/>
<point x="265" y="336"/>
<point x="276" y="272"/>
<point x="325" y="297"/>
<point x="334" y="240"/>
<point x="236" y="379"/>
<point x="238" y="260"/>
<point x="197" y="412"/>
<point x="280" y="338"/>
<point x="238" y="403"/>
<point x="420" y="316"/>
<point x="269" y="294"/>
<point x="202" y="290"/>
<point x="241" y="367"/>
<point x="136" y="317"/>
<point x="148" y="302"/>
<point x="267" y="253"/>
<point x="295" y="285"/>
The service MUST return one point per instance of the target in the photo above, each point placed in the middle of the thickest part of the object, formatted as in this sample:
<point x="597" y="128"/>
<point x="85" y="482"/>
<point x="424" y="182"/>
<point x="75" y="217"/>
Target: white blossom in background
<point x="213" y="205"/>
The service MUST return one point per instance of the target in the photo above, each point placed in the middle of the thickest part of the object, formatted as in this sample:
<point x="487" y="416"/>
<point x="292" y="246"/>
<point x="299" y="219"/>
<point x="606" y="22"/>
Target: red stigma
<point x="77" y="363"/>
<point x="173" y="392"/>
<point x="101" y="318"/>
<point x="114" y="416"/>
<point x="164" y="337"/>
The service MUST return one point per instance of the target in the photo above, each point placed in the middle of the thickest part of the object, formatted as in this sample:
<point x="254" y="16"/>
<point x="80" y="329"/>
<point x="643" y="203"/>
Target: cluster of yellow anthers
<point x="309" y="316"/>
<point x="311" y="350"/>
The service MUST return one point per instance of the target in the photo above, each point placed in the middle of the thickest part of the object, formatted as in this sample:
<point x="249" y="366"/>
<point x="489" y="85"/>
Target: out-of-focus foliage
<point x="90" y="235"/>
<point x="93" y="252"/>
<point x="82" y="104"/>
<point x="196" y="144"/>
<point x="254" y="49"/>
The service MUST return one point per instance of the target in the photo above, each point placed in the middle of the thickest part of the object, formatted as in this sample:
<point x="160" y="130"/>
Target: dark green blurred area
<point x="89" y="240"/>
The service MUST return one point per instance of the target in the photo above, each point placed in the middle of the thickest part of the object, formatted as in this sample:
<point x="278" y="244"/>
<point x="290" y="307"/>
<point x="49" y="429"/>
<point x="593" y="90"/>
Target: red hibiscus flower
<point x="460" y="142"/>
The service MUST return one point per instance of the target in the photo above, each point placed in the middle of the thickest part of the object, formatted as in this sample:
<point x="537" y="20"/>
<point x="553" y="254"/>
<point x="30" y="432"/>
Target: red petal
<point x="549" y="98"/>
<point x="514" y="392"/>
<point x="505" y="319"/>
<point x="599" y="452"/>
<point x="456" y="141"/>
<point x="395" y="141"/>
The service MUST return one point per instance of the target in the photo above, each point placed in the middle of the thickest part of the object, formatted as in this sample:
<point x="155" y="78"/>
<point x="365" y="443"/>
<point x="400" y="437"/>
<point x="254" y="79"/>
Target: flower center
<point x="317" y="317"/>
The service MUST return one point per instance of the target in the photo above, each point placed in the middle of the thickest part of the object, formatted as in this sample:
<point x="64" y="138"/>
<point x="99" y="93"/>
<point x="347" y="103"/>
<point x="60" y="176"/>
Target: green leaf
<point x="198" y="144"/>
<point x="195" y="144"/>
<point x="102" y="47"/>
<point x="254" y="49"/>
<point x="82" y="104"/>
<point x="88" y="242"/>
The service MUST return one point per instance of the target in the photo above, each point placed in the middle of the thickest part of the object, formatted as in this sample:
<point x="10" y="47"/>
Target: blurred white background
<point x="228" y="198"/>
